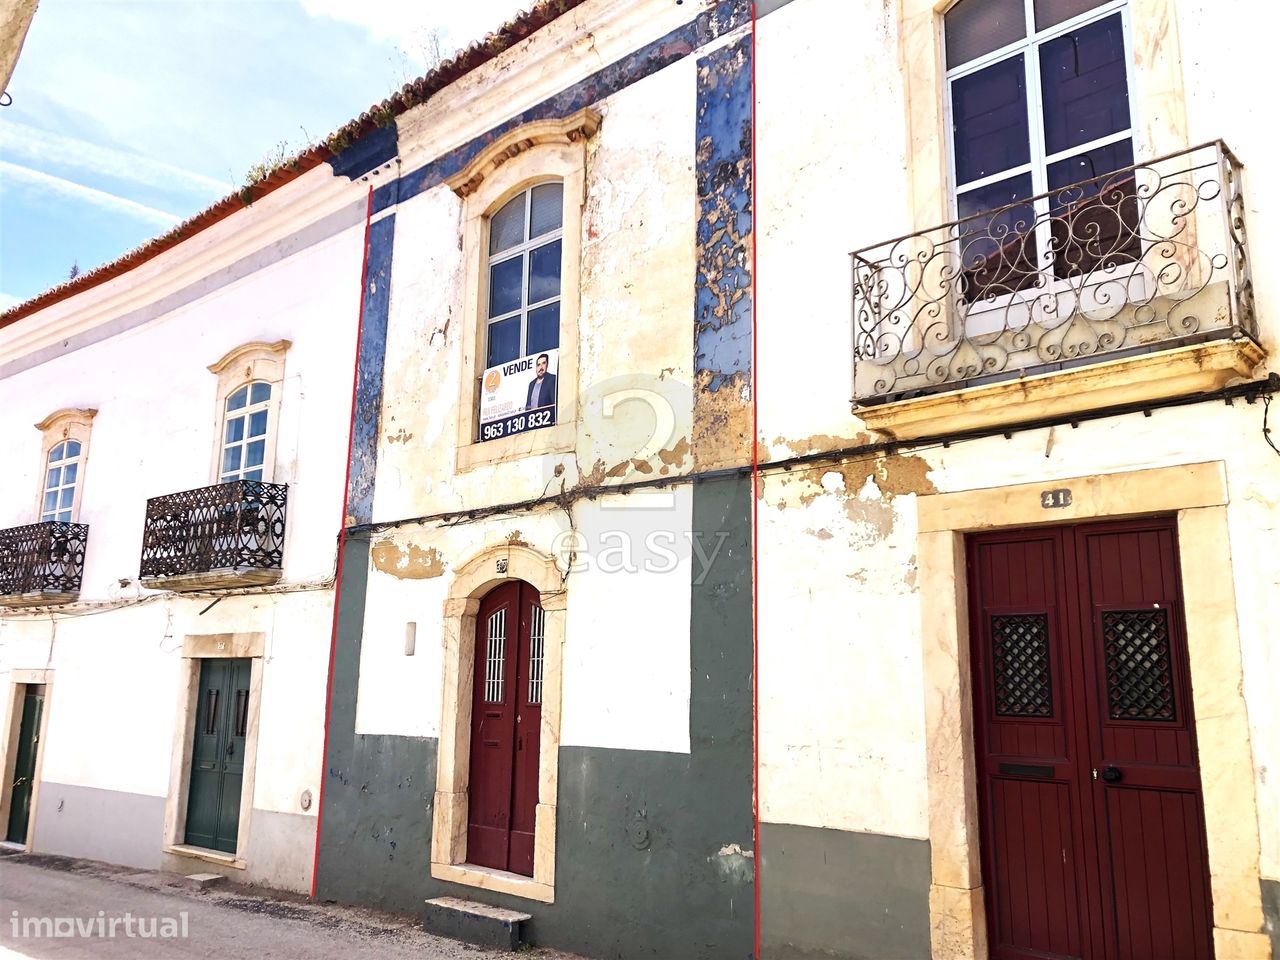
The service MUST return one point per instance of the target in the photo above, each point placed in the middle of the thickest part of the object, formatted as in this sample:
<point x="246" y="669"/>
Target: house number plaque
<point x="1055" y="499"/>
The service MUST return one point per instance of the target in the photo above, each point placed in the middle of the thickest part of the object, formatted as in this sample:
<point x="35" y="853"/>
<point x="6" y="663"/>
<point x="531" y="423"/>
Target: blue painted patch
<point x="723" y="297"/>
<point x="675" y="46"/>
<point x="368" y="153"/>
<point x="373" y="351"/>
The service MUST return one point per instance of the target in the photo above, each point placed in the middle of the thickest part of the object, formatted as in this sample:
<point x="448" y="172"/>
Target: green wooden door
<point x="217" y="755"/>
<point x="24" y="766"/>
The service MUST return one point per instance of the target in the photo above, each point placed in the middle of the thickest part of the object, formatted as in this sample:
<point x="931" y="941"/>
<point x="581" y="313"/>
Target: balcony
<point x="1127" y="288"/>
<point x="226" y="535"/>
<point x="42" y="563"/>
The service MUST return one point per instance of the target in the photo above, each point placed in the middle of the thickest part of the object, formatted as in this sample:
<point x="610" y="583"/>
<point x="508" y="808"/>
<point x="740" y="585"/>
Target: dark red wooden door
<point x="1092" y="823"/>
<point x="506" y="716"/>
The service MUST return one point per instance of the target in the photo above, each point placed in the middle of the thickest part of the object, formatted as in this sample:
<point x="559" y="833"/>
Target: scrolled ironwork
<point x="228" y="526"/>
<point x="42" y="558"/>
<point x="1147" y="257"/>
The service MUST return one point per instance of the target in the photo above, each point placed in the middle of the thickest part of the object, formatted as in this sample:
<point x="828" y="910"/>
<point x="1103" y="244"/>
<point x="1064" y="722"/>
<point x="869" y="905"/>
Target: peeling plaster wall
<point x="723" y="317"/>
<point x="654" y="805"/>
<point x="610" y="641"/>
<point x="637" y="275"/>
<point x="841" y="718"/>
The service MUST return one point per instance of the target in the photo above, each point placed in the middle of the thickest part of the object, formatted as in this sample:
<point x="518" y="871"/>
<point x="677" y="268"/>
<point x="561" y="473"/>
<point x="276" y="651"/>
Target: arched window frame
<point x="524" y="251"/>
<point x="63" y="426"/>
<point x="246" y="421"/>
<point x="529" y="155"/>
<point x="249" y="363"/>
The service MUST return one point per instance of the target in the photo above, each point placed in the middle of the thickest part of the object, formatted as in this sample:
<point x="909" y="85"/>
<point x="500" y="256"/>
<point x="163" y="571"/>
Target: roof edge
<point x="379" y="116"/>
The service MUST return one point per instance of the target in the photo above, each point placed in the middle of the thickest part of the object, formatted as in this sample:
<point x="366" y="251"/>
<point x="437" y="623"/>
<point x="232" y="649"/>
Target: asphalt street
<point x="57" y="908"/>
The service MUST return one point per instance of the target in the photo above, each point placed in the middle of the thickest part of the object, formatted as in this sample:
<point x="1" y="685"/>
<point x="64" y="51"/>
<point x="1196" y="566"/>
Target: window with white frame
<point x="1038" y="93"/>
<point x="62" y="473"/>
<point x="524" y="267"/>
<point x="244" y="433"/>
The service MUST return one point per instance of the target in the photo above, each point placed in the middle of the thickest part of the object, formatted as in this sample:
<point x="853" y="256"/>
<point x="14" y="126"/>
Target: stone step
<point x="473" y="922"/>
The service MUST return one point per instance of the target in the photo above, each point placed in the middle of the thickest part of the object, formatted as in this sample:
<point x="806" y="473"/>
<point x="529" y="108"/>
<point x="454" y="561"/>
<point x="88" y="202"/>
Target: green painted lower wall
<point x="842" y="895"/>
<point x="1271" y="914"/>
<point x="654" y="850"/>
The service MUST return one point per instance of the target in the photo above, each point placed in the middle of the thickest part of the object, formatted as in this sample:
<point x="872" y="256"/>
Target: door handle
<point x="1109" y="774"/>
<point x="231" y="749"/>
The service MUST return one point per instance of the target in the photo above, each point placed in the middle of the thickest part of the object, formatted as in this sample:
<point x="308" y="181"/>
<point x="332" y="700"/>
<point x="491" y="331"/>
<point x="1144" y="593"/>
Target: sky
<point x="129" y="116"/>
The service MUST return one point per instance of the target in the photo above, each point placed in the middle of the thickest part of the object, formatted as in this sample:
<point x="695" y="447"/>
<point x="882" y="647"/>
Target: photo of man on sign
<point x="542" y="388"/>
<point x="519" y="395"/>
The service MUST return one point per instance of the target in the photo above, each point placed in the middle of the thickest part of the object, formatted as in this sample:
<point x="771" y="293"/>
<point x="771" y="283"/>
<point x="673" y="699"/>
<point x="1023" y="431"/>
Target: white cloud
<point x="78" y="191"/>
<point x="406" y="23"/>
<point x="8" y="300"/>
<point x="42" y="148"/>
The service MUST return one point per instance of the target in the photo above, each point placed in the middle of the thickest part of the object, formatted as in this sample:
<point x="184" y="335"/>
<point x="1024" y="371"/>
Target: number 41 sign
<point x="1055" y="499"/>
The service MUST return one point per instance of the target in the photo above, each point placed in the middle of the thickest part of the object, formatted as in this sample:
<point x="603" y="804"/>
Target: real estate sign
<point x="519" y="395"/>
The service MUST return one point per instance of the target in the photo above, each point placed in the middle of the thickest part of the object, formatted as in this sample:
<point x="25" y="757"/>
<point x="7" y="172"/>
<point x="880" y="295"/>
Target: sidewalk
<point x="224" y="922"/>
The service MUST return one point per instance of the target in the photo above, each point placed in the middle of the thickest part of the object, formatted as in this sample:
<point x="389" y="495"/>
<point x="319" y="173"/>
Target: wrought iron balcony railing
<point x="1146" y="258"/>
<point x="42" y="562"/>
<point x="229" y="534"/>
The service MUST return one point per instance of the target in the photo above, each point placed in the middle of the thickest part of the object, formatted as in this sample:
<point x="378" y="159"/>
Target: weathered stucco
<point x="723" y="305"/>
<point x="408" y="561"/>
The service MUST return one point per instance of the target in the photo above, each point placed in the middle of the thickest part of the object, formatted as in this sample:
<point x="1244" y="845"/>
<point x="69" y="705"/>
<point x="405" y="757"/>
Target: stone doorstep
<point x="471" y="922"/>
<point x="204" y="879"/>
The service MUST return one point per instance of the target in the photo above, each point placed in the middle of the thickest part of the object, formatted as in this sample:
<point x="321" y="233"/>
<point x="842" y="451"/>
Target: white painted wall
<point x="626" y="671"/>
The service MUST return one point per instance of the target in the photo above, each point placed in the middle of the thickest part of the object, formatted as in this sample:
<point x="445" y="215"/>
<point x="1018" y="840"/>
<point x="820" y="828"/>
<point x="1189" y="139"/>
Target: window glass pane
<point x="1095" y="223"/>
<point x="1097" y="162"/>
<point x="544" y="328"/>
<point x="238" y="399"/>
<point x="1049" y="12"/>
<point x="976" y="27"/>
<point x="1082" y="80"/>
<point x="50" y="501"/>
<point x="73" y="449"/>
<point x="259" y="392"/>
<point x="997" y="252"/>
<point x="253" y="453"/>
<point x="990" y="115"/>
<point x="56" y="453"/>
<point x="68" y="493"/>
<point x="235" y="430"/>
<point x="53" y="478"/>
<point x="544" y="272"/>
<point x="253" y="475"/>
<point x="65" y="516"/>
<point x="506" y="227"/>
<point x="231" y="459"/>
<point x="547" y="209"/>
<point x="505" y="279"/>
<point x="69" y="472"/>
<point x="504" y="341"/>
<point x="258" y="423"/>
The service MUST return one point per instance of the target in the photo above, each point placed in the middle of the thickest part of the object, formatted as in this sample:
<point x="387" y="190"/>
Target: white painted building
<point x="211" y="369"/>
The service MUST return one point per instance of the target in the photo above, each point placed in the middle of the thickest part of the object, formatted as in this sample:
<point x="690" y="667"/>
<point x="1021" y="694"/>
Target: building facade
<point x="175" y="429"/>
<point x="542" y="683"/>
<point x="810" y="493"/>
<point x="1018" y="700"/>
